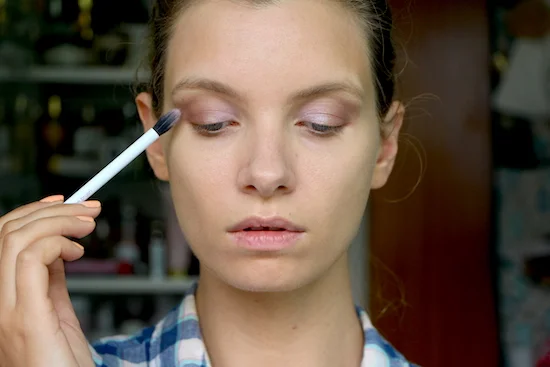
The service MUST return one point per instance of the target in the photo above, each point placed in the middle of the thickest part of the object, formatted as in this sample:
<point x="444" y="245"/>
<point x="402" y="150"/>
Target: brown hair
<point x="373" y="15"/>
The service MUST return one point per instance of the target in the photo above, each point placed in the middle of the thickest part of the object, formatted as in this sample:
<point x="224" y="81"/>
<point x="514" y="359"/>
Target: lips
<point x="266" y="235"/>
<point x="257" y="224"/>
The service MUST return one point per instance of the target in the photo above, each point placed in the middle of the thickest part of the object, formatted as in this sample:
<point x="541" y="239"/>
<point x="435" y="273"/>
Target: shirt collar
<point x="377" y="351"/>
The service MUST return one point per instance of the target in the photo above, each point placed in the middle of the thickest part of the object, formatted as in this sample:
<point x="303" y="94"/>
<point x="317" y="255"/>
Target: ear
<point x="155" y="153"/>
<point x="393" y="121"/>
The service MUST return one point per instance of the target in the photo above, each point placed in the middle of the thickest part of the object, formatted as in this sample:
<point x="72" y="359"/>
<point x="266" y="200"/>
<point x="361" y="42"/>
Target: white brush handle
<point x="113" y="168"/>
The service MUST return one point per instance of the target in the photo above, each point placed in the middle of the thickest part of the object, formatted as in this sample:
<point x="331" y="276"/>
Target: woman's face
<point x="279" y="144"/>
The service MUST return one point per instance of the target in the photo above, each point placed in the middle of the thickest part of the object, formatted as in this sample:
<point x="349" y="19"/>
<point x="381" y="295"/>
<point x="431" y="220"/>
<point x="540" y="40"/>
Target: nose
<point x="268" y="168"/>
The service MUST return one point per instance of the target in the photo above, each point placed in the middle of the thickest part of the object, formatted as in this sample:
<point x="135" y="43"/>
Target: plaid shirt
<point x="176" y="341"/>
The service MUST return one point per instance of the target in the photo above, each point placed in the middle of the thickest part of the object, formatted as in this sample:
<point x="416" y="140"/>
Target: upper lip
<point x="268" y="223"/>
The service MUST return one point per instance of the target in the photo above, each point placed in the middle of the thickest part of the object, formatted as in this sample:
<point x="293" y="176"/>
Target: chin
<point x="259" y="286"/>
<point x="266" y="275"/>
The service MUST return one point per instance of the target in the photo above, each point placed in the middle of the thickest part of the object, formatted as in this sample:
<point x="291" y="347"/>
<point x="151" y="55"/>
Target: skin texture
<point x="256" y="69"/>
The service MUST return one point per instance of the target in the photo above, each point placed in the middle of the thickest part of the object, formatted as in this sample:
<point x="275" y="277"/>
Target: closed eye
<point x="212" y="129"/>
<point x="314" y="128"/>
<point x="320" y="129"/>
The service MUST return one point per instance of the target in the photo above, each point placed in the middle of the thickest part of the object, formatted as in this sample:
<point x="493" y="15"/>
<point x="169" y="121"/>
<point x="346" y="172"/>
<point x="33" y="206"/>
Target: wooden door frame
<point x="430" y="283"/>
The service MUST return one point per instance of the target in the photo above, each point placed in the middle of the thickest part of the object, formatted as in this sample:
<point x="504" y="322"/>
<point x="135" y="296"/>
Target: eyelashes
<point x="218" y="128"/>
<point x="210" y="128"/>
<point x="213" y="128"/>
<point x="321" y="129"/>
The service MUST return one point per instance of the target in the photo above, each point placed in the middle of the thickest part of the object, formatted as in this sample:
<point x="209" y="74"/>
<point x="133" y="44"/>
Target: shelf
<point x="123" y="285"/>
<point x="72" y="75"/>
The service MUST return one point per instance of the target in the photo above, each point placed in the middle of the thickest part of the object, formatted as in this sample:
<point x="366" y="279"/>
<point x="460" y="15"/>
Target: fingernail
<point x="86" y="219"/>
<point x="91" y="204"/>
<point x="79" y="246"/>
<point x="52" y="199"/>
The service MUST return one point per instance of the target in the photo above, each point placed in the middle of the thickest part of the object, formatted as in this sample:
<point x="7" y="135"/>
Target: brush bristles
<point x="167" y="121"/>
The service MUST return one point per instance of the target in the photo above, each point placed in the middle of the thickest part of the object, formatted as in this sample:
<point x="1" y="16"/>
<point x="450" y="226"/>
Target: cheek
<point x="200" y="180"/>
<point x="345" y="171"/>
<point x="338" y="187"/>
<point x="198" y="167"/>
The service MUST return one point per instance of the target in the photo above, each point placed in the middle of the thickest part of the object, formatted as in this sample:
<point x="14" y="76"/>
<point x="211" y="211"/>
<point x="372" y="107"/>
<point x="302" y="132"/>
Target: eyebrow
<point x="207" y="85"/>
<point x="308" y="93"/>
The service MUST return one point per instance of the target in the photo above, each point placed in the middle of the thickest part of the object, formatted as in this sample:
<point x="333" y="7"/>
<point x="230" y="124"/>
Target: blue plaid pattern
<point x="176" y="341"/>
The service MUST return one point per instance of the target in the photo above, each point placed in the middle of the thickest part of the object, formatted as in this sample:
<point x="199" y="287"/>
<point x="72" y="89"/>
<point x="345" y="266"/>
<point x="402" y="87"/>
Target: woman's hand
<point x="38" y="326"/>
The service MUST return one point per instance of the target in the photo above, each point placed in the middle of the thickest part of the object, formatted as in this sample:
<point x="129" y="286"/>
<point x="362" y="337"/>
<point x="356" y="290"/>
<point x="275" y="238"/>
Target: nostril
<point x="282" y="188"/>
<point x="250" y="188"/>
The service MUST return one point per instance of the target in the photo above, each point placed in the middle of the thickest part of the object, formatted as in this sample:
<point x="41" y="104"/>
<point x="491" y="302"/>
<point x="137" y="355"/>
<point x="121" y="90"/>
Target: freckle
<point x="294" y="327"/>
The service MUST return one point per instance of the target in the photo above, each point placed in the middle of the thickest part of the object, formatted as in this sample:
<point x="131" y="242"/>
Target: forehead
<point x="286" y="45"/>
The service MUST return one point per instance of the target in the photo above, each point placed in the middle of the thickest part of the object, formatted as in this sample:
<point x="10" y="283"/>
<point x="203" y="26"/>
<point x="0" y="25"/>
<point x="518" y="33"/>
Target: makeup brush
<point x="165" y="123"/>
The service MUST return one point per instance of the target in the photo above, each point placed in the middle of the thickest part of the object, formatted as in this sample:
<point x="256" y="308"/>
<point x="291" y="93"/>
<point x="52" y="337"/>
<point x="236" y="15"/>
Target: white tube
<point x="113" y="168"/>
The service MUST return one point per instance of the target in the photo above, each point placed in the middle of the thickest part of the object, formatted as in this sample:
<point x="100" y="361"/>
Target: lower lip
<point x="266" y="240"/>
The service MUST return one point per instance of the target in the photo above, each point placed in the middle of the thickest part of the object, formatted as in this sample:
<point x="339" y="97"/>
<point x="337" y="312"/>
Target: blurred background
<point x="453" y="257"/>
<point x="68" y="70"/>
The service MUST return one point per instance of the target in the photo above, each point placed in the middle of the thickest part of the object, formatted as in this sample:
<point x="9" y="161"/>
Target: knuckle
<point x="3" y="220"/>
<point x="26" y="258"/>
<point x="8" y="227"/>
<point x="10" y="241"/>
<point x="4" y="230"/>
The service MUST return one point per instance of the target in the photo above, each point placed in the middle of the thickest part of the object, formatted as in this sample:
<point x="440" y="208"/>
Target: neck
<point x="316" y="325"/>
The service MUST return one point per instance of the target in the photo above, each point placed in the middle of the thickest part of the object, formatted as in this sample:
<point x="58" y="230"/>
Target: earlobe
<point x="155" y="153"/>
<point x="389" y="145"/>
